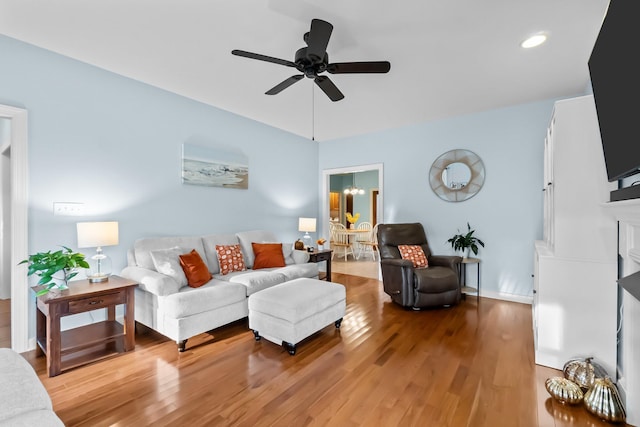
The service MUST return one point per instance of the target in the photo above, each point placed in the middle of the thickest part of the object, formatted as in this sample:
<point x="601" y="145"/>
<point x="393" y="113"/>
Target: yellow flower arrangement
<point x="353" y="218"/>
<point x="321" y="241"/>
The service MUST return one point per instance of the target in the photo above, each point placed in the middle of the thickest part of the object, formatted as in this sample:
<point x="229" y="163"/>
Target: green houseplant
<point x="466" y="242"/>
<point x="46" y="264"/>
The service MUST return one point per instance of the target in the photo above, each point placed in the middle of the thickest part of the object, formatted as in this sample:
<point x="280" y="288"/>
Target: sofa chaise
<point x="23" y="399"/>
<point x="166" y="303"/>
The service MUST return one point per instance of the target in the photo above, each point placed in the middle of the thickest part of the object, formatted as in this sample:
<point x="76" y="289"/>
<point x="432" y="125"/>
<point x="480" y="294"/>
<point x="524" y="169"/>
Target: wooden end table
<point x="81" y="297"/>
<point x="322" y="255"/>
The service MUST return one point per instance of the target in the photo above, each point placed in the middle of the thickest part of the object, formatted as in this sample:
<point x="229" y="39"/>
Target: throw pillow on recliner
<point x="267" y="255"/>
<point x="415" y="254"/>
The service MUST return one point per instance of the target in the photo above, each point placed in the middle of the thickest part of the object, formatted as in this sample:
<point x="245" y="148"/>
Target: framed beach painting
<point x="214" y="167"/>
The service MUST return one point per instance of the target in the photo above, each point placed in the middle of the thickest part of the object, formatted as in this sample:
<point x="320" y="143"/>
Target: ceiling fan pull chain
<point x="313" y="114"/>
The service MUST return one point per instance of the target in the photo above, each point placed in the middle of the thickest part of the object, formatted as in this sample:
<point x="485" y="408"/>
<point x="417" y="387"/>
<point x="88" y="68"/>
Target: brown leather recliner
<point x="436" y="285"/>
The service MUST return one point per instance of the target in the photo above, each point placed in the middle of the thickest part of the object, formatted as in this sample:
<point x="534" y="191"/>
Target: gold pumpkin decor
<point x="564" y="390"/>
<point x="583" y="372"/>
<point x="603" y="401"/>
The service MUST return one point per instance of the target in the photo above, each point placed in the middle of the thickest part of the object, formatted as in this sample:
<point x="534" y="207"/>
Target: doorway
<point x="335" y="203"/>
<point x="13" y="220"/>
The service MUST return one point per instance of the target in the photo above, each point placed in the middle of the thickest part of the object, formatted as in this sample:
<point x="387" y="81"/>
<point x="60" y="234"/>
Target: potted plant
<point x="466" y="242"/>
<point x="47" y="264"/>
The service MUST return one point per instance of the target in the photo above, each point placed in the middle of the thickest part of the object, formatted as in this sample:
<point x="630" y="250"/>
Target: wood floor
<point x="471" y="365"/>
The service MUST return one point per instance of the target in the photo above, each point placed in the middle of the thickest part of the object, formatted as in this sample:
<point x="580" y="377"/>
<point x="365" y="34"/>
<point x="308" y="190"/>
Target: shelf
<point x="90" y="336"/>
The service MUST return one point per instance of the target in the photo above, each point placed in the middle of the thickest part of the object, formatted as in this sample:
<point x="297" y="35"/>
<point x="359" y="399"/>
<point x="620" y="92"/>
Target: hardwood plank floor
<point x="470" y="365"/>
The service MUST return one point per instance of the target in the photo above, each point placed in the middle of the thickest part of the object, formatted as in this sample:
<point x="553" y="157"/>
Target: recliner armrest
<point x="450" y="261"/>
<point x="398" y="262"/>
<point x="397" y="279"/>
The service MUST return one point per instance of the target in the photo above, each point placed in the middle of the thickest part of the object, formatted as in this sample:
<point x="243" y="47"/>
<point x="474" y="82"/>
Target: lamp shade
<point x="96" y="234"/>
<point x="307" y="224"/>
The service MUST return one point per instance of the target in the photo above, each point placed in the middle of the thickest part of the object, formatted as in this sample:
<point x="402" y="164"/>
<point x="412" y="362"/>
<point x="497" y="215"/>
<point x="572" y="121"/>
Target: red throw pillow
<point x="415" y="254"/>
<point x="195" y="269"/>
<point x="268" y="255"/>
<point x="230" y="258"/>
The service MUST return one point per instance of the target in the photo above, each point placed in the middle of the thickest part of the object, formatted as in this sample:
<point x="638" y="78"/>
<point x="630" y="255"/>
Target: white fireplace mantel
<point x="627" y="213"/>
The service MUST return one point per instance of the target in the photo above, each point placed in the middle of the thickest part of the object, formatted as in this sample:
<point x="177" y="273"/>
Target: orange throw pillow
<point x="230" y="258"/>
<point x="268" y="255"/>
<point x="415" y="254"/>
<point x="195" y="269"/>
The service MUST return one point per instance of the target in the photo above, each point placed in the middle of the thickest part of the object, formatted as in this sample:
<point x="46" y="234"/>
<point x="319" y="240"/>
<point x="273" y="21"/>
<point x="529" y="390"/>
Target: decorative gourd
<point x="564" y="390"/>
<point x="603" y="401"/>
<point x="583" y="372"/>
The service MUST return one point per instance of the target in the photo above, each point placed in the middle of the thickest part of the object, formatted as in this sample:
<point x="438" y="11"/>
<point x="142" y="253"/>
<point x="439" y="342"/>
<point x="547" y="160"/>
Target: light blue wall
<point x="507" y="213"/>
<point x="115" y="144"/>
<point x="362" y="203"/>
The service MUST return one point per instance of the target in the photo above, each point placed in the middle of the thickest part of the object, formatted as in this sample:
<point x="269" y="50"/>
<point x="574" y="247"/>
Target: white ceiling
<point x="448" y="57"/>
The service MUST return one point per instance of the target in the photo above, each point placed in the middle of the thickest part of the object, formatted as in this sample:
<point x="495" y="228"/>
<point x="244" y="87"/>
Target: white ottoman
<point x="290" y="312"/>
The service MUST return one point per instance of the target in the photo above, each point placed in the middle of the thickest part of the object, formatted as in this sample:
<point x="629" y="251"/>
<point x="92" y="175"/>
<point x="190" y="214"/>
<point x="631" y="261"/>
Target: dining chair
<point x="370" y="245"/>
<point x="340" y="242"/>
<point x="365" y="230"/>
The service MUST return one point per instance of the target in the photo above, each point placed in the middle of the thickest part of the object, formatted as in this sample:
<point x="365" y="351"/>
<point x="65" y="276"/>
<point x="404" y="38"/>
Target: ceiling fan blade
<point x="329" y="88"/>
<point x="259" y="57"/>
<point x="359" y="67"/>
<point x="318" y="38"/>
<point x="285" y="84"/>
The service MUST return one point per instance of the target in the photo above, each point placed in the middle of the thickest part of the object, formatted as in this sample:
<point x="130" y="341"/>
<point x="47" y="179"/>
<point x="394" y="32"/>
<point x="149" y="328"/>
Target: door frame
<point x="19" y="227"/>
<point x="324" y="205"/>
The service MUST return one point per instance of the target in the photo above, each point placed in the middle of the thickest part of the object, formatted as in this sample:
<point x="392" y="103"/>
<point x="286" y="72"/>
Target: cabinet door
<point x="547" y="186"/>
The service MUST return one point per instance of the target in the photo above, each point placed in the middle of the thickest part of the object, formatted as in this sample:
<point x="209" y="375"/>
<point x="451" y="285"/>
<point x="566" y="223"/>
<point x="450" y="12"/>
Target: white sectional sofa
<point x="23" y="399"/>
<point x="179" y="311"/>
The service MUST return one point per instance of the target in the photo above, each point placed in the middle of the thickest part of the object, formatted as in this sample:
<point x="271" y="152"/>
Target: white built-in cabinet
<point x="575" y="266"/>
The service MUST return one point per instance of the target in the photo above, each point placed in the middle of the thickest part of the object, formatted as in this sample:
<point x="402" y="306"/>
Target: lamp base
<point x="98" y="278"/>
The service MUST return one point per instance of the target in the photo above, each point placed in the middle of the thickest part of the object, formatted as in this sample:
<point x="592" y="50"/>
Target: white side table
<point x="463" y="277"/>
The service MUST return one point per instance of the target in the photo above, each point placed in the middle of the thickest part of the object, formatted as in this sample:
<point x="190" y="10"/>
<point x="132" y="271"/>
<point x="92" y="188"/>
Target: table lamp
<point x="98" y="234"/>
<point x="307" y="225"/>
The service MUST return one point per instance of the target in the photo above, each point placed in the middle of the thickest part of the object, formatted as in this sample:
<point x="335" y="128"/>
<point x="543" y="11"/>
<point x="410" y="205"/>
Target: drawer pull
<point x="96" y="302"/>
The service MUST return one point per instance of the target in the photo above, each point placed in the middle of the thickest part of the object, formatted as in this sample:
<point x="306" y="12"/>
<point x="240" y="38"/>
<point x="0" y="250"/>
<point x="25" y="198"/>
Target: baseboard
<point x="507" y="297"/>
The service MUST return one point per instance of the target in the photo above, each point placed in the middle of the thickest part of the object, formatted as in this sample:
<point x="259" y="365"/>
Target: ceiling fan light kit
<point x="313" y="60"/>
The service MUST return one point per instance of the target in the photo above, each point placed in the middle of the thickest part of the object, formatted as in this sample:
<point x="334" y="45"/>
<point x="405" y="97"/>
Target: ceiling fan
<point x="313" y="60"/>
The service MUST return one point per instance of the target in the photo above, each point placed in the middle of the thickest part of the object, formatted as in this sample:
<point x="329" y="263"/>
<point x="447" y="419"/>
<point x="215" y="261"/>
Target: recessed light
<point x="534" y="40"/>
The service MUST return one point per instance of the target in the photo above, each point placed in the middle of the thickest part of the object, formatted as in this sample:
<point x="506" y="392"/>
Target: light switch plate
<point x="68" y="208"/>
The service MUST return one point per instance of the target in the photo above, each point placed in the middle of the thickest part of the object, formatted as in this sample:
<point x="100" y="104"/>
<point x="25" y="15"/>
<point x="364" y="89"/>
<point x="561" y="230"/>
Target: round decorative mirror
<point x="457" y="175"/>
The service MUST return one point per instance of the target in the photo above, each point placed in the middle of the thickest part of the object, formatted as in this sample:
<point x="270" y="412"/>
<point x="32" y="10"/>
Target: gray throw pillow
<point x="167" y="261"/>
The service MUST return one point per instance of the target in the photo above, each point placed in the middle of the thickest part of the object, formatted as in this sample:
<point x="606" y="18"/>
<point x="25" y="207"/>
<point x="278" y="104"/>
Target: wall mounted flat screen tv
<point x="615" y="78"/>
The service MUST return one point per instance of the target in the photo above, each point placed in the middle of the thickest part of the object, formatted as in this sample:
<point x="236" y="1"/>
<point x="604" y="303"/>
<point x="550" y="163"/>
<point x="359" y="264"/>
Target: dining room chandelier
<point x="353" y="189"/>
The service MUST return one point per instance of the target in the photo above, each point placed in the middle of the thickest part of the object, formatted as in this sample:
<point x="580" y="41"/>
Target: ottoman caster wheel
<point x="256" y="335"/>
<point x="291" y="348"/>
<point x="338" y="323"/>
